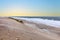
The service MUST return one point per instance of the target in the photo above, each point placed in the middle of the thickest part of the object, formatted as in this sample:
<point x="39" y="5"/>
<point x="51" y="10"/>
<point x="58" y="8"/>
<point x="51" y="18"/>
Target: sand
<point x="13" y="30"/>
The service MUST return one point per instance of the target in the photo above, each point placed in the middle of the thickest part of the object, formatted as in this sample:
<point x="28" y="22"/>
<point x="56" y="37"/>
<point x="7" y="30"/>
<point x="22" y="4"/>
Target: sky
<point x="30" y="7"/>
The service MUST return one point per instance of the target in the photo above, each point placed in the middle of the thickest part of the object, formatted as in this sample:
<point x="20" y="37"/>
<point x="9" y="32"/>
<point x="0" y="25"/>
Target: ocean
<point x="51" y="21"/>
<point x="43" y="17"/>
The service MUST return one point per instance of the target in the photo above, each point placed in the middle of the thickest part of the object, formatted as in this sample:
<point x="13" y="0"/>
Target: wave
<point x="53" y="23"/>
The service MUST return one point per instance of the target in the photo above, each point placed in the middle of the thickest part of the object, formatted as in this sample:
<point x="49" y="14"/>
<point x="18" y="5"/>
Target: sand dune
<point x="11" y="29"/>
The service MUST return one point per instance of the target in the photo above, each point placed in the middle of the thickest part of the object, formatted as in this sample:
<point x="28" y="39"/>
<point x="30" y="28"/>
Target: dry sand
<point x="12" y="30"/>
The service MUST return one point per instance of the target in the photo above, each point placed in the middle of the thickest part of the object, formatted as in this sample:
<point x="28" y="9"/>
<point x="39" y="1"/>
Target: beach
<point x="21" y="29"/>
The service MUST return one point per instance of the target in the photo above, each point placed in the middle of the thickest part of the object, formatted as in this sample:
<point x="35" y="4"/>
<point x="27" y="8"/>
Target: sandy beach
<point x="13" y="29"/>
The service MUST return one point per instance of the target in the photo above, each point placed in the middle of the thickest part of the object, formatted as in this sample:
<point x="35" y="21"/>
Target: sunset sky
<point x="30" y="7"/>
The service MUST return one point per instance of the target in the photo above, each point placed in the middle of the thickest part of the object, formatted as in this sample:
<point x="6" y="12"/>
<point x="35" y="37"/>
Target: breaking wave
<point x="53" y="23"/>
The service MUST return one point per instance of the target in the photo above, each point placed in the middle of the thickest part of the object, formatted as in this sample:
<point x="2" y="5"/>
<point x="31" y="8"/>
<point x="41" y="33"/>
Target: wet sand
<point x="13" y="30"/>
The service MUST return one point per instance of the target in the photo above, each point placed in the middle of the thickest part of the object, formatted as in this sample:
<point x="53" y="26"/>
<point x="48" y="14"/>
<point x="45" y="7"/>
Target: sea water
<point x="51" y="21"/>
